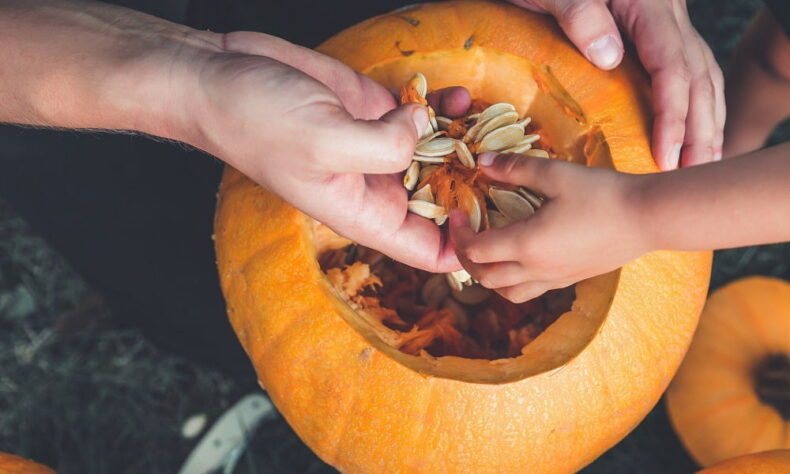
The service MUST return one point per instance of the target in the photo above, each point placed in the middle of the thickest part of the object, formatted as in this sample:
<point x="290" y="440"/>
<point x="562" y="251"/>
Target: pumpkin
<point x="731" y="395"/>
<point x="11" y="464"/>
<point x="574" y="391"/>
<point x="767" y="462"/>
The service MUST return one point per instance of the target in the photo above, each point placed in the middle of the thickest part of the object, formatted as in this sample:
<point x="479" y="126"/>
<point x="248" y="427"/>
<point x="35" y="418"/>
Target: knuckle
<point x="473" y="254"/>
<point x="703" y="85"/>
<point x="400" y="147"/>
<point x="573" y="12"/>
<point x="681" y="69"/>
<point x="486" y="280"/>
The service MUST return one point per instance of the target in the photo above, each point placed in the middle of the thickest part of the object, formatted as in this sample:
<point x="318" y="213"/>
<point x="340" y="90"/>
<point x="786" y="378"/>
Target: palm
<point x="305" y="115"/>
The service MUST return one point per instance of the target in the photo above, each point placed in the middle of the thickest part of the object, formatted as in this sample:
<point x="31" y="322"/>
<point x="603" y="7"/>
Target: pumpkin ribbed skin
<point x="363" y="406"/>
<point x="768" y="462"/>
<point x="11" y="464"/>
<point x="713" y="401"/>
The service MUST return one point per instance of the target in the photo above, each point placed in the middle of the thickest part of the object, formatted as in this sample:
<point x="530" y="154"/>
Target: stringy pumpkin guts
<point x="444" y="174"/>
<point x="440" y="315"/>
<point x="420" y="313"/>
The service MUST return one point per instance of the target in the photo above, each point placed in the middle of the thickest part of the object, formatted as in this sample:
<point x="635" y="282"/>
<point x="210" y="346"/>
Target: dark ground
<point x="84" y="393"/>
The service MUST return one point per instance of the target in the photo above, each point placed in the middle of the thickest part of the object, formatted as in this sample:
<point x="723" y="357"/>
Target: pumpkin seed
<point x="518" y="148"/>
<point x="533" y="198"/>
<point x="412" y="176"/>
<point x="420" y="84"/>
<point x="428" y="130"/>
<point x="432" y="119"/>
<point x="425" y="209"/>
<point x="453" y="282"/>
<point x="436" y="147"/>
<point x="461" y="276"/>
<point x="428" y="159"/>
<point x="531" y="138"/>
<point x="443" y="122"/>
<point x="475" y="215"/>
<point x="464" y="155"/>
<point x="423" y="194"/>
<point x="441" y="219"/>
<point x="472" y="295"/>
<point x="537" y="152"/>
<point x="508" y="118"/>
<point x="514" y="206"/>
<point x="430" y="137"/>
<point x="524" y="122"/>
<point x="497" y="220"/>
<point x="495" y="110"/>
<point x="435" y="290"/>
<point x="501" y="138"/>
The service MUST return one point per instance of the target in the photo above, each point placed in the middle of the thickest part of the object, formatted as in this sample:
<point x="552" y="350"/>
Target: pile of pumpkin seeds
<point x="498" y="128"/>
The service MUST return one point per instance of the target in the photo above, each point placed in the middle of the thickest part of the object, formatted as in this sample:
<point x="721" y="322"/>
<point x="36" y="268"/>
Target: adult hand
<point x="324" y="138"/>
<point x="688" y="86"/>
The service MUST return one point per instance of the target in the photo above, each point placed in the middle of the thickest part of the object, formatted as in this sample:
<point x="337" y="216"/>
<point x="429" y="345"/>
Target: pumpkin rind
<point x="361" y="405"/>
<point x="712" y="401"/>
<point x="767" y="462"/>
<point x="12" y="464"/>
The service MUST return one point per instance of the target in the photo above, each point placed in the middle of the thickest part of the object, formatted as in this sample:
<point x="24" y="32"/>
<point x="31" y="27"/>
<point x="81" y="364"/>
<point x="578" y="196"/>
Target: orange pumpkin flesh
<point x="731" y="395"/>
<point x="578" y="388"/>
<point x="11" y="464"/>
<point x="768" y="462"/>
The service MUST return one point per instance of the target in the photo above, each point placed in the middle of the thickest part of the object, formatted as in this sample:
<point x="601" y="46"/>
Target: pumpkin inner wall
<point x="493" y="76"/>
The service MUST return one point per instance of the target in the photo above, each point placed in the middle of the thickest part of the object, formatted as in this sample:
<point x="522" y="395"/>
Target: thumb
<point x="538" y="174"/>
<point x="378" y="146"/>
<point x="590" y="26"/>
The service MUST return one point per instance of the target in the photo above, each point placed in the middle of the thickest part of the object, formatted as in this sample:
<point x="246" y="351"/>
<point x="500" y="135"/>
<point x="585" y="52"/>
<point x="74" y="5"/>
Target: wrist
<point x="93" y="65"/>
<point x="638" y="198"/>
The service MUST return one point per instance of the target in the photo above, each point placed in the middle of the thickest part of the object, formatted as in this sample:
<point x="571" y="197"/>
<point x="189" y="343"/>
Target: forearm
<point x="82" y="64"/>
<point x="736" y="202"/>
<point x="758" y="86"/>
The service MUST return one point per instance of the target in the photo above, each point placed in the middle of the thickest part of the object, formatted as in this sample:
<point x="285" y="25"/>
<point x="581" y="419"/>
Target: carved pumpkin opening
<point x="578" y="388"/>
<point x="422" y="314"/>
<point x="436" y="329"/>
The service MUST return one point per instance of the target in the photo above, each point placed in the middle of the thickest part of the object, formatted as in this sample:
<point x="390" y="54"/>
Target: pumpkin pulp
<point x="421" y="314"/>
<point x="522" y="340"/>
<point x="772" y="382"/>
<point x="422" y="311"/>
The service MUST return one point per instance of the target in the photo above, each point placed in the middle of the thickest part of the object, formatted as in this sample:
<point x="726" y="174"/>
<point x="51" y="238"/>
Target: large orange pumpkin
<point x="767" y="462"/>
<point x="11" y="464"/>
<point x="576" y="390"/>
<point x="731" y="395"/>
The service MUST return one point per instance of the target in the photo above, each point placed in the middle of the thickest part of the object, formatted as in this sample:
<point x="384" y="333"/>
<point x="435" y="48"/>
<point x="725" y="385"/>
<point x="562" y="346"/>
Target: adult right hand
<point x="326" y="139"/>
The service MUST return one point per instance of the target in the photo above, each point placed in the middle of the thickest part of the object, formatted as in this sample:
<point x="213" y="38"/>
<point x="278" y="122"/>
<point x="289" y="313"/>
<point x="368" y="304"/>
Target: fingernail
<point x="604" y="52"/>
<point x="717" y="156"/>
<point x="673" y="157"/>
<point x="420" y="118"/>
<point x="487" y="158"/>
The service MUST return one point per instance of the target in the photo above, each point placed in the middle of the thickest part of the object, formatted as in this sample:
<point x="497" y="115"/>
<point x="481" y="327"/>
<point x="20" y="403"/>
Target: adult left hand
<point x="688" y="86"/>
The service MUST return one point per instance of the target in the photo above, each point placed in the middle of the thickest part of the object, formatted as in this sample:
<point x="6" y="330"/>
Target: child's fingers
<point x="451" y="102"/>
<point x="495" y="245"/>
<point x="538" y="174"/>
<point x="490" y="275"/>
<point x="525" y="291"/>
<point x="500" y="274"/>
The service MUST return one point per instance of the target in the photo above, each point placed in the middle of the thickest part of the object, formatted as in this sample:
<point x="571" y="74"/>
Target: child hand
<point x="589" y="225"/>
